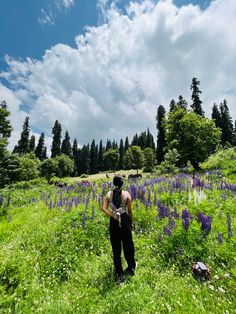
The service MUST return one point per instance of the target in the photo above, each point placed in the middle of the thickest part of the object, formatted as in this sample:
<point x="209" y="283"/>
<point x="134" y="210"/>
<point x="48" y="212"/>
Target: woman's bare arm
<point x="105" y="208"/>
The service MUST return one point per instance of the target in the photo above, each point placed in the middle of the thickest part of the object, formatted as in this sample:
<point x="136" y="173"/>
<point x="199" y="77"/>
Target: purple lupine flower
<point x="199" y="217"/>
<point x="206" y="224"/>
<point x="229" y="225"/>
<point x="175" y="213"/>
<point x="171" y="222"/>
<point x="185" y="222"/>
<point x="1" y="200"/>
<point x="167" y="231"/>
<point x="180" y="251"/>
<point x="159" y="238"/>
<point x="185" y="214"/>
<point x="220" y="238"/>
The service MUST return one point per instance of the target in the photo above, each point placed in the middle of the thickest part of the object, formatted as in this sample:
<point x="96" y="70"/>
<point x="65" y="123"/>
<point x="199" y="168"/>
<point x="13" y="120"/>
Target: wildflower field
<point x="56" y="256"/>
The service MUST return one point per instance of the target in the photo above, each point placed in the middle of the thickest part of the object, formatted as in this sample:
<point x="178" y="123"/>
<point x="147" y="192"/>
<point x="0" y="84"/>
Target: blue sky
<point x="136" y="57"/>
<point x="22" y="34"/>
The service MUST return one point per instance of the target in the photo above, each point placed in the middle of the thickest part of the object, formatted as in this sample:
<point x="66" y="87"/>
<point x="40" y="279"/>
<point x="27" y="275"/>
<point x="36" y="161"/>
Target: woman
<point x="120" y="227"/>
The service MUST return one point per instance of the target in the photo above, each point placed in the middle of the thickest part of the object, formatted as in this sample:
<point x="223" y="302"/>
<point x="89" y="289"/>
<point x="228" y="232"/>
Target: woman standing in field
<point x="120" y="227"/>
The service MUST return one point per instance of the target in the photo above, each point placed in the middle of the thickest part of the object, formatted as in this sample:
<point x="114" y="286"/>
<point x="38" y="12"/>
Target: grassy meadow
<point x="56" y="256"/>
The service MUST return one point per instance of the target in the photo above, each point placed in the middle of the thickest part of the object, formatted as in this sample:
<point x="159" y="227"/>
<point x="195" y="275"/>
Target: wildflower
<point x="229" y="225"/>
<point x="159" y="238"/>
<point x="167" y="231"/>
<point x="206" y="224"/>
<point x="185" y="223"/>
<point x="180" y="251"/>
<point x="220" y="238"/>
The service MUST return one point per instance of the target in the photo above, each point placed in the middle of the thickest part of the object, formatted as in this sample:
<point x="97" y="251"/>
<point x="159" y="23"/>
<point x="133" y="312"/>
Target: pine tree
<point x="100" y="156"/>
<point x="45" y="153"/>
<point x="172" y="105"/>
<point x="23" y="146"/>
<point x="39" y="150"/>
<point x="161" y="141"/>
<point x="108" y="145"/>
<point x="216" y="116"/>
<point x="227" y="125"/>
<point x="66" y="145"/>
<point x="75" y="156"/>
<point x="56" y="141"/>
<point x="32" y="143"/>
<point x="126" y="143"/>
<point x="85" y="159"/>
<point x="114" y="145"/>
<point x="135" y="140"/>
<point x="196" y="105"/>
<point x="121" y="155"/>
<point x="142" y="140"/>
<point x="182" y="103"/>
<point x="5" y="126"/>
<point x="93" y="158"/>
<point x="150" y="140"/>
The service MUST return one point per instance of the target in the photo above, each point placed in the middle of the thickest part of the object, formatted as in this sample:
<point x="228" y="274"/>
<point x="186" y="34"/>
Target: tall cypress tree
<point x="40" y="148"/>
<point x="45" y="153"/>
<point x="142" y="140"/>
<point x="196" y="105"/>
<point x="66" y="145"/>
<point x="161" y="141"/>
<point x="114" y="145"/>
<point x="108" y="145"/>
<point x="100" y="156"/>
<point x="135" y="140"/>
<point x="85" y="159"/>
<point x="150" y="140"/>
<point x="56" y="141"/>
<point x="23" y="146"/>
<point x="121" y="155"/>
<point x="93" y="158"/>
<point x="227" y="125"/>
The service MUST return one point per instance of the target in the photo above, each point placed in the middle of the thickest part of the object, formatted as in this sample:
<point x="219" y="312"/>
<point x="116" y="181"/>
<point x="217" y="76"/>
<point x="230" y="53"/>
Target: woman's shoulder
<point x="109" y="194"/>
<point x="126" y="194"/>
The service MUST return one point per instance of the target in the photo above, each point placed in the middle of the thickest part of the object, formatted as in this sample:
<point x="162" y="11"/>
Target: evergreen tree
<point x="114" y="145"/>
<point x="39" y="150"/>
<point x="182" y="103"/>
<point x="196" y="105"/>
<point x="100" y="156"/>
<point x="108" y="145"/>
<point x="126" y="143"/>
<point x="150" y="140"/>
<point x="56" y="141"/>
<point x="23" y="146"/>
<point x="5" y="126"/>
<point x="93" y="158"/>
<point x="142" y="140"/>
<point x="32" y="143"/>
<point x="121" y="155"/>
<point x="161" y="142"/>
<point x="85" y="160"/>
<point x="45" y="153"/>
<point x="172" y="105"/>
<point x="75" y="156"/>
<point x="227" y="125"/>
<point x="216" y="116"/>
<point x="66" y="145"/>
<point x="135" y="140"/>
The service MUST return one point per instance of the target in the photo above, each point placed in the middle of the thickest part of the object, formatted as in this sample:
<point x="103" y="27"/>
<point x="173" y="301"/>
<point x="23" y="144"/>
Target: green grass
<point x="52" y="263"/>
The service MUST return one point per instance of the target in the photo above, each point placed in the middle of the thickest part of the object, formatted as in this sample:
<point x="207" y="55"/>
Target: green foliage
<point x="193" y="136"/>
<point x="133" y="158"/>
<point x="66" y="145"/>
<point x="28" y="167"/>
<point x="56" y="141"/>
<point x="23" y="146"/>
<point x="65" y="166"/>
<point x="111" y="159"/>
<point x="48" y="168"/>
<point x="161" y="140"/>
<point x="149" y="159"/>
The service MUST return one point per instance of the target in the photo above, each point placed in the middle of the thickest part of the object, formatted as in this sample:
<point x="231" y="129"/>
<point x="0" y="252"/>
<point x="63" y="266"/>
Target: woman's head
<point x="118" y="181"/>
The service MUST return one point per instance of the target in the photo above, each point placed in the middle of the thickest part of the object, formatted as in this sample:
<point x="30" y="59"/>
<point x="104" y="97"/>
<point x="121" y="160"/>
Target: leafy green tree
<point x="23" y="146"/>
<point x="28" y="166"/>
<point x="197" y="103"/>
<point x="133" y="158"/>
<point x="40" y="148"/>
<point x="65" y="166"/>
<point x="149" y="159"/>
<point x="56" y="141"/>
<point x="161" y="141"/>
<point x="48" y="168"/>
<point x="193" y="136"/>
<point x="121" y="155"/>
<point x="32" y="143"/>
<point x="66" y="145"/>
<point x="111" y="159"/>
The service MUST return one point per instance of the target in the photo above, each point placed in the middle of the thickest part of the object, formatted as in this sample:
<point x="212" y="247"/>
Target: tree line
<point x="184" y="135"/>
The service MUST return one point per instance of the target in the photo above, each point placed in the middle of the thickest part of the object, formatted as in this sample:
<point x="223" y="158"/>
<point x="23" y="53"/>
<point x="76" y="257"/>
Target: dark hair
<point x="116" y="198"/>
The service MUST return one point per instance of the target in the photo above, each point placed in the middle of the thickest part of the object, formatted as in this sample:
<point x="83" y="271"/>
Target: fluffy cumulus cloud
<point x="111" y="85"/>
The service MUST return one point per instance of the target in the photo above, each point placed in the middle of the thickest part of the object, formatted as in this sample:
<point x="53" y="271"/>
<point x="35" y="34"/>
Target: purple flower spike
<point x="229" y="225"/>
<point x="167" y="231"/>
<point x="220" y="238"/>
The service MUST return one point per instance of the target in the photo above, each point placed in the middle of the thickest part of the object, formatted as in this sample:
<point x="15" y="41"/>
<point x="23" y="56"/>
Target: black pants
<point x="122" y="235"/>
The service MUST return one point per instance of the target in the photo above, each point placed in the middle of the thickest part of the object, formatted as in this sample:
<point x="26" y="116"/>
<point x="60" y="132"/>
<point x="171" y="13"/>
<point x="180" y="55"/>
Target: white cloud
<point x="46" y="17"/>
<point x="112" y="84"/>
<point x="64" y="3"/>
